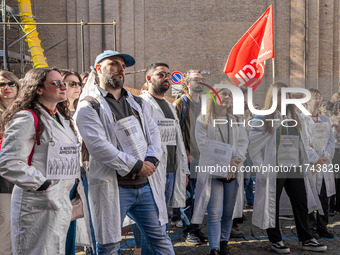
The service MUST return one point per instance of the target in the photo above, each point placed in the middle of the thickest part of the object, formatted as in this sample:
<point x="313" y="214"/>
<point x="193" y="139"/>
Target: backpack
<point x="35" y="128"/>
<point x="184" y="109"/>
<point x="85" y="155"/>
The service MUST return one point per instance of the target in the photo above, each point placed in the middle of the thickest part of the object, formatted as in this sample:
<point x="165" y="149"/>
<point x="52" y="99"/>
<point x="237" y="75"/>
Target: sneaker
<point x="174" y="221"/>
<point x="326" y="234"/>
<point x="224" y="248"/>
<point x="313" y="245"/>
<point x="279" y="247"/>
<point x="192" y="238"/>
<point x="236" y="232"/>
<point x="179" y="224"/>
<point x="203" y="238"/>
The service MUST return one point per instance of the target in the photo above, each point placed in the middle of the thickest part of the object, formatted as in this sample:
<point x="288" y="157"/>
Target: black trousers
<point x="335" y="199"/>
<point x="319" y="223"/>
<point x="295" y="188"/>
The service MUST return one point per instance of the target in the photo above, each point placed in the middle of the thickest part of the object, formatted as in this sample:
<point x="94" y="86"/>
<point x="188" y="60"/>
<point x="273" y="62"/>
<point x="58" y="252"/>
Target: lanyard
<point x="219" y="129"/>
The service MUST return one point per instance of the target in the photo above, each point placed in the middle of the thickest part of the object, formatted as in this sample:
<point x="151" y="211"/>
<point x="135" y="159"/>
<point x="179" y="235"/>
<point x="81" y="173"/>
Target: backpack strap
<point x="85" y="155"/>
<point x="94" y="103"/>
<point x="139" y="100"/>
<point x="35" y="128"/>
<point x="184" y="109"/>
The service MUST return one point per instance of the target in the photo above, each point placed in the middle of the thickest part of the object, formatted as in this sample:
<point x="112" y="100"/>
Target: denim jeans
<point x="191" y="188"/>
<point x="220" y="211"/>
<point x="249" y="188"/>
<point x="169" y="187"/>
<point x="140" y="206"/>
<point x="93" y="238"/>
<point x="139" y="238"/>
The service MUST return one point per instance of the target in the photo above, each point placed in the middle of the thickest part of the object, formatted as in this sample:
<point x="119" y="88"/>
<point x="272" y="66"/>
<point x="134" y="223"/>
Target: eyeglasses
<point x="198" y="80"/>
<point x="9" y="84"/>
<point x="164" y="75"/>
<point x="73" y="84"/>
<point x="58" y="84"/>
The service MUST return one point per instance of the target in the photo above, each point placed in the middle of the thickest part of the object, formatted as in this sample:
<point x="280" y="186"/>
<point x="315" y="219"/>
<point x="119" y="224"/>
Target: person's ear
<point x="148" y="78"/>
<point x="98" y="68"/>
<point x="39" y="91"/>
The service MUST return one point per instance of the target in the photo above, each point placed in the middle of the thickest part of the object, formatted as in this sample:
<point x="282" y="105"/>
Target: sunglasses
<point x="9" y="84"/>
<point x="164" y="75"/>
<point x="58" y="84"/>
<point x="73" y="84"/>
<point x="198" y="80"/>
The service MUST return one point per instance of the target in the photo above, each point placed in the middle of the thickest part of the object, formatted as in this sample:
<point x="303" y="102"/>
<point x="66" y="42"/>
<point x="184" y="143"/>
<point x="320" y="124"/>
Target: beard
<point x="196" y="87"/>
<point x="111" y="80"/>
<point x="160" y="89"/>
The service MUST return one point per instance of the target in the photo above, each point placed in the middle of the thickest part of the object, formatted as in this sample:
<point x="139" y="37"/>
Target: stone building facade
<point x="198" y="35"/>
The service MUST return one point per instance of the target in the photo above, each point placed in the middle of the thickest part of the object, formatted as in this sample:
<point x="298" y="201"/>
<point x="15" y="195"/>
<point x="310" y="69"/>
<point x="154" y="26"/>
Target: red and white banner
<point x="246" y="61"/>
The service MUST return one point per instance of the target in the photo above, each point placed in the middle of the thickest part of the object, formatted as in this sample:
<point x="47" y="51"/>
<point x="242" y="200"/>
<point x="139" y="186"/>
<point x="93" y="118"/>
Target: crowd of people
<point x="81" y="157"/>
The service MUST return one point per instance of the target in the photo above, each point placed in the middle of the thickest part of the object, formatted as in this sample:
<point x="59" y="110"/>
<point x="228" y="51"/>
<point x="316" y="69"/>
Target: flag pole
<point x="273" y="64"/>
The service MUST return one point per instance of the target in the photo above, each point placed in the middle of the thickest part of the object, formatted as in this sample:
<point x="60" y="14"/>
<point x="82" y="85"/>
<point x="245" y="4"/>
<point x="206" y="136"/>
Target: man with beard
<point x="188" y="108"/>
<point x="173" y="164"/>
<point x="125" y="148"/>
<point x="174" y="159"/>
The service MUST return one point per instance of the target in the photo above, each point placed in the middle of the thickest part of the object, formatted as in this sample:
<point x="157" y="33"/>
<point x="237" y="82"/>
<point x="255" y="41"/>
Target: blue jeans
<point x="220" y="211"/>
<point x="249" y="188"/>
<point x="86" y="190"/>
<point x="169" y="187"/>
<point x="140" y="206"/>
<point x="190" y="202"/>
<point x="139" y="239"/>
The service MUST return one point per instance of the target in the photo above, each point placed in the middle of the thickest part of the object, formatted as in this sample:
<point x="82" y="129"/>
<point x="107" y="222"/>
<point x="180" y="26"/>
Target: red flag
<point x="246" y="61"/>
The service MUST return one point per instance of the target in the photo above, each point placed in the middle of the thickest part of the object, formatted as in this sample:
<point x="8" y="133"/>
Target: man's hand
<point x="321" y="161"/>
<point x="235" y="162"/>
<point x="147" y="170"/>
<point x="190" y="158"/>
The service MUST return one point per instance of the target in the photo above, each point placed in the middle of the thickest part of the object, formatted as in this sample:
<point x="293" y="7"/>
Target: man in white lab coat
<point x="125" y="148"/>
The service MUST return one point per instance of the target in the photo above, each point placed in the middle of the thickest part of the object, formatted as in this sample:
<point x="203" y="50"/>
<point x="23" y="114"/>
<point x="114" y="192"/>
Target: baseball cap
<point x="129" y="60"/>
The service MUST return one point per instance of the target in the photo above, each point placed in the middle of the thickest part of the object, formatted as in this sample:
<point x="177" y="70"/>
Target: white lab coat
<point x="328" y="176"/>
<point x="203" y="184"/>
<point x="106" y="160"/>
<point x="181" y="168"/>
<point x="40" y="220"/>
<point x="262" y="151"/>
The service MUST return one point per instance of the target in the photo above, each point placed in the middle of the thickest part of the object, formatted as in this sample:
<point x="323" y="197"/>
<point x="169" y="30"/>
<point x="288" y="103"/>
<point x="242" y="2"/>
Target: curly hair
<point x="186" y="79"/>
<point x="336" y="107"/>
<point x="28" y="99"/>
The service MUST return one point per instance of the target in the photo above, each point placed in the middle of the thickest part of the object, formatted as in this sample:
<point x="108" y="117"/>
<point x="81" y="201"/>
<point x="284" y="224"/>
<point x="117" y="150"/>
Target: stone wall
<point x="198" y="35"/>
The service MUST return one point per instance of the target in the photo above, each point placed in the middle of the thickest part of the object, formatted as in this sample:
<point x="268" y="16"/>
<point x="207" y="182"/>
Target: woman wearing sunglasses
<point x="9" y="88"/>
<point x="41" y="208"/>
<point x="73" y="81"/>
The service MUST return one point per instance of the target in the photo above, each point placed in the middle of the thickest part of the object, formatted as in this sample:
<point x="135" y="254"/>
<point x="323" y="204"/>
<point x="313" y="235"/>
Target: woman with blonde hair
<point x="220" y="146"/>
<point x="9" y="89"/>
<point x="277" y="148"/>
